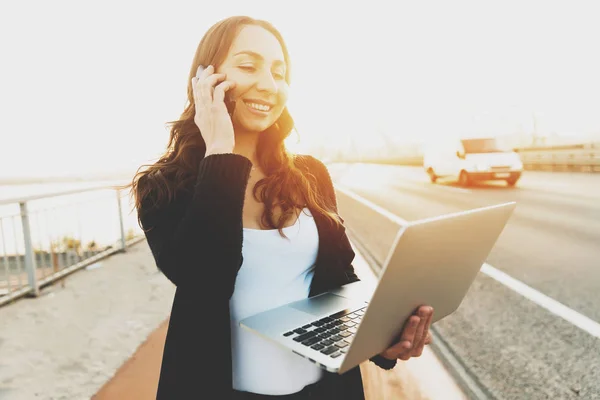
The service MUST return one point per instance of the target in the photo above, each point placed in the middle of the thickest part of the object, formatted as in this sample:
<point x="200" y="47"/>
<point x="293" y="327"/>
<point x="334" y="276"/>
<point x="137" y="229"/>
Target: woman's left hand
<point x="414" y="337"/>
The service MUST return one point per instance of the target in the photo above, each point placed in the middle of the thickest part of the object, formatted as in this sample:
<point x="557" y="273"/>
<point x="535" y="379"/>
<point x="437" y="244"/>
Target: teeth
<point x="259" y="107"/>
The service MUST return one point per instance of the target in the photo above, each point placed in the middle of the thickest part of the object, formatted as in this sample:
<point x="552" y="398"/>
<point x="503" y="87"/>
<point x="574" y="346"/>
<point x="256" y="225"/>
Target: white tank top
<point x="275" y="271"/>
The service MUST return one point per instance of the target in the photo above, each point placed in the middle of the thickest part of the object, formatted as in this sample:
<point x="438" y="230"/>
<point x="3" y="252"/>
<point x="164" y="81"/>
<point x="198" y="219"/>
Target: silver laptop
<point x="432" y="261"/>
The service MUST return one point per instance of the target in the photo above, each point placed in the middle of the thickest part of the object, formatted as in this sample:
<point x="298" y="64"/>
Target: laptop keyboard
<point x="330" y="335"/>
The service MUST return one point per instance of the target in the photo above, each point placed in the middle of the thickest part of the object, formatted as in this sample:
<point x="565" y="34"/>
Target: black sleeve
<point x="324" y="179"/>
<point x="205" y="239"/>
<point x="326" y="187"/>
<point x="383" y="362"/>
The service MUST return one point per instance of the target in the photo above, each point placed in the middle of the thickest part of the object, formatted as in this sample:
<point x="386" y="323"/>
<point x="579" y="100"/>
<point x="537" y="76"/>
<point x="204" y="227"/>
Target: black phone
<point x="230" y="104"/>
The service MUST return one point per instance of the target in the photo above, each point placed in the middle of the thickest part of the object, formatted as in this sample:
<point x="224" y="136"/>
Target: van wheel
<point x="463" y="179"/>
<point x="432" y="176"/>
<point x="512" y="181"/>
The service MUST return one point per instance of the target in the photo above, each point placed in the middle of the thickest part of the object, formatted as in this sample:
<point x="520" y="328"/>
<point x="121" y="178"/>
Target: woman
<point x="239" y="225"/>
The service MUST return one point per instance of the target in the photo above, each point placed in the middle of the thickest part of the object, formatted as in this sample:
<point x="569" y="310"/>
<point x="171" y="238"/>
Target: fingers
<point x="398" y="350"/>
<point x="414" y="336"/>
<point x="403" y="347"/>
<point x="203" y="85"/>
<point x="428" y="324"/>
<point x="429" y="338"/>
<point x="220" y="89"/>
<point x="409" y="331"/>
<point x="200" y="74"/>
<point x="419" y="334"/>
<point x="207" y="86"/>
<point x="196" y="94"/>
<point x="200" y="70"/>
<point x="426" y="314"/>
<point x="405" y="340"/>
<point x="411" y="336"/>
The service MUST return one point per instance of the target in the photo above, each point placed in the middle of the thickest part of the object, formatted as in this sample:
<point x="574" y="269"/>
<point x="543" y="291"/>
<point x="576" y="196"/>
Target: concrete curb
<point x="468" y="383"/>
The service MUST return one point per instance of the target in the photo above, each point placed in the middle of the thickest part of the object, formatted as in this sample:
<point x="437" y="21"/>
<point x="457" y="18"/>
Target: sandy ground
<point x="101" y="336"/>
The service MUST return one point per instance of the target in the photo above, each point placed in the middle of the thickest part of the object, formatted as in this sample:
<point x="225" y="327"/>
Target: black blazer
<point x="196" y="242"/>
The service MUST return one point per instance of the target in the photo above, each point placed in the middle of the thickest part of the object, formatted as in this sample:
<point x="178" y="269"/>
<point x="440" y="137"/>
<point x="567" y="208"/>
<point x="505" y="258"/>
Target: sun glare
<point x="372" y="80"/>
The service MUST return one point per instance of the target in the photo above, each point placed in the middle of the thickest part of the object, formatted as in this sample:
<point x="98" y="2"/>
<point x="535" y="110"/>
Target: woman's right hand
<point x="212" y="117"/>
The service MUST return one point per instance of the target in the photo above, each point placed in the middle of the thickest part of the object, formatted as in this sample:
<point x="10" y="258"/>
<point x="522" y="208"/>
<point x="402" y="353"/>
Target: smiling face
<point x="256" y="64"/>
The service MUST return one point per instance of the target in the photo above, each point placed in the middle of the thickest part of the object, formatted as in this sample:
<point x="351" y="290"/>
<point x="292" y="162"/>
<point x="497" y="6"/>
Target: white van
<point x="473" y="159"/>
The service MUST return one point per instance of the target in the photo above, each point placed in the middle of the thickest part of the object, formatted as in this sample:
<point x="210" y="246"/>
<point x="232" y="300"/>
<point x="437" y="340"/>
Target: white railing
<point x="44" y="238"/>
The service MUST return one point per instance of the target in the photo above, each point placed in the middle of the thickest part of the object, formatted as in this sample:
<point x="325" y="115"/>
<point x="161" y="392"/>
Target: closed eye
<point x="252" y="69"/>
<point x="248" y="68"/>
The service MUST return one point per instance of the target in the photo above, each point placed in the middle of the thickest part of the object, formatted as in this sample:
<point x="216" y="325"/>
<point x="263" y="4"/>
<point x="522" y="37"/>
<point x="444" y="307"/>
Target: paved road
<point x="516" y="348"/>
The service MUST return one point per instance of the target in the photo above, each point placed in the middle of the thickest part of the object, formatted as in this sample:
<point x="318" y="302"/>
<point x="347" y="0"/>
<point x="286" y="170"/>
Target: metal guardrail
<point x="53" y="235"/>
<point x="578" y="158"/>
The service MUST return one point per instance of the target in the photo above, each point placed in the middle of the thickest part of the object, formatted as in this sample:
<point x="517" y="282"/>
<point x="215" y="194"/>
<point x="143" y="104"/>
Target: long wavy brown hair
<point x="285" y="185"/>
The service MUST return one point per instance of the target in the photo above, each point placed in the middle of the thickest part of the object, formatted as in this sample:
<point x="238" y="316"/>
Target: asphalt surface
<point x="515" y="348"/>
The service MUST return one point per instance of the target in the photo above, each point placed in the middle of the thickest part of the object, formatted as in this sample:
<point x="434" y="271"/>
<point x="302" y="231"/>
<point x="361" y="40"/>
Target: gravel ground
<point x="68" y="342"/>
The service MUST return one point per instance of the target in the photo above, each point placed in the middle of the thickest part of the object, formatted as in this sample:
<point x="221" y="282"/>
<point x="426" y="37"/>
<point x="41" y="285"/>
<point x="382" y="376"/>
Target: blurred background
<point x="418" y="108"/>
<point x="368" y="76"/>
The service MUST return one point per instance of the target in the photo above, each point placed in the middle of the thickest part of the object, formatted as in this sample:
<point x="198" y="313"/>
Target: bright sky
<point x="88" y="87"/>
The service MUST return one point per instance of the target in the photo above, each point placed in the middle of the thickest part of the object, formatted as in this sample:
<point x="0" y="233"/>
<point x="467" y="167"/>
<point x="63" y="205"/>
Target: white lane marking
<point x="421" y="179"/>
<point x="581" y="321"/>
<point x="372" y="206"/>
<point x="451" y="188"/>
<point x="556" y="308"/>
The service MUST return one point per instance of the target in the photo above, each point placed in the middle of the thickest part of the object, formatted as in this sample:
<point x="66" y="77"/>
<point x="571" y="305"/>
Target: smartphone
<point x="230" y="104"/>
